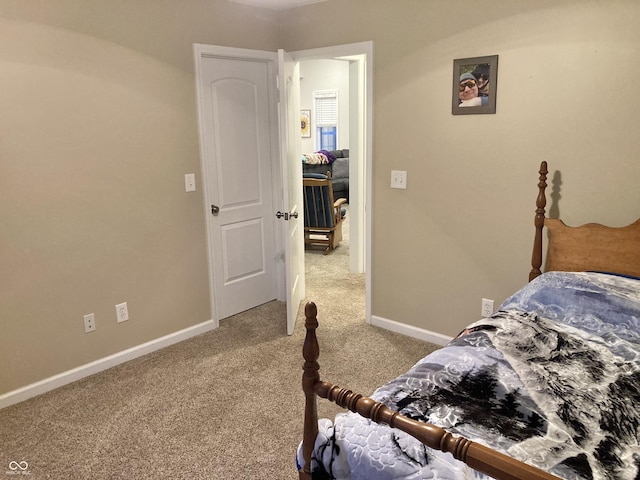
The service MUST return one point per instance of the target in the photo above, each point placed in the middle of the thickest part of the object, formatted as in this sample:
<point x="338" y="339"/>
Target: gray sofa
<point x="339" y="169"/>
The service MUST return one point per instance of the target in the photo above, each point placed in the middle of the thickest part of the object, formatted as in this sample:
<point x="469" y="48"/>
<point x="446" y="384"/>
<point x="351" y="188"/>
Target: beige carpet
<point x="224" y="405"/>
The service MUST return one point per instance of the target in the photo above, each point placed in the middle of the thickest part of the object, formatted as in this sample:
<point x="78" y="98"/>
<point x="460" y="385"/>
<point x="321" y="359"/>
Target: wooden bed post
<point x="310" y="352"/>
<point x="541" y="203"/>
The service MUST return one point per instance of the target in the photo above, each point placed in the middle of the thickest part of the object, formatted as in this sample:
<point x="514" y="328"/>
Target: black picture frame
<point x="479" y="67"/>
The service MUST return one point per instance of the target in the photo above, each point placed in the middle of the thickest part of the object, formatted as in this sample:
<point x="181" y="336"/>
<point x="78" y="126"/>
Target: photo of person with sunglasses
<point x="481" y="72"/>
<point x="468" y="94"/>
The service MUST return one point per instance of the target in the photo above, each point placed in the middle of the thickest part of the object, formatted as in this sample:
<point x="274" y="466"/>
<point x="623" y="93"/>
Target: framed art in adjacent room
<point x="305" y="123"/>
<point x="475" y="82"/>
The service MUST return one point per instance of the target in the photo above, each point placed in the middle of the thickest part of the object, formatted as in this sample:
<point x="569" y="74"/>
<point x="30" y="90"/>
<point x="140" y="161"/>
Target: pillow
<point x="319" y="176"/>
<point x="340" y="168"/>
<point x="624" y="275"/>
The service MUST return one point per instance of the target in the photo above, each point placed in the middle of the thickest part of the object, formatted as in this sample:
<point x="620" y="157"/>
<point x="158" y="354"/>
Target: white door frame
<point x="361" y="171"/>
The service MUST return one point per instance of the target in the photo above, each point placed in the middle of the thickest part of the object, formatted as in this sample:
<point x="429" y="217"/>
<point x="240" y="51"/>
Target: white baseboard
<point x="64" y="378"/>
<point x="410" y="331"/>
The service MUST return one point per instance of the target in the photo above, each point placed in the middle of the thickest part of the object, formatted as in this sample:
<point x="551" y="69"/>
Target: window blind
<point x="326" y="108"/>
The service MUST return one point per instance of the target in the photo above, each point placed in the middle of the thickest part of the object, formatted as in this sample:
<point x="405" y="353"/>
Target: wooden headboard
<point x="590" y="247"/>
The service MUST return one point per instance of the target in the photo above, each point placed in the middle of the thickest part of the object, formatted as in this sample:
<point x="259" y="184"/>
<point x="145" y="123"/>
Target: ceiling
<point x="277" y="4"/>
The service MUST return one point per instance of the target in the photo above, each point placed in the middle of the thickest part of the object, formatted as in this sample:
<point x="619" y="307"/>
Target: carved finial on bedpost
<point x="541" y="203"/>
<point x="310" y="352"/>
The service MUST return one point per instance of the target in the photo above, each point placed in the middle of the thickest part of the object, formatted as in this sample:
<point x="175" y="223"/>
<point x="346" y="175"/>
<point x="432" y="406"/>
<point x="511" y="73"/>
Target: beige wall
<point x="566" y="94"/>
<point x="98" y="128"/>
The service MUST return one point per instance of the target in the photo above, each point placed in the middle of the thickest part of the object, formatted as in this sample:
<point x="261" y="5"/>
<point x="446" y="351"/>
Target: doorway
<point x="359" y="58"/>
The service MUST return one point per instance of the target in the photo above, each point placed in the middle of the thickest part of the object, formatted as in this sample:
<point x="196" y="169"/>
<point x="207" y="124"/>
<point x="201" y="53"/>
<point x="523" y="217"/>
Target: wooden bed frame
<point x="591" y="247"/>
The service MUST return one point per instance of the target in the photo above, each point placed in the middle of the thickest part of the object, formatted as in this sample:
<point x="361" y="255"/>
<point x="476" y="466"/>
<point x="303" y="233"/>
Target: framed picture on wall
<point x="305" y="123"/>
<point x="475" y="82"/>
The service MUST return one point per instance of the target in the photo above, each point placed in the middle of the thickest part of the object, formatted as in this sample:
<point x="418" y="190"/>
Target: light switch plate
<point x="398" y="179"/>
<point x="190" y="182"/>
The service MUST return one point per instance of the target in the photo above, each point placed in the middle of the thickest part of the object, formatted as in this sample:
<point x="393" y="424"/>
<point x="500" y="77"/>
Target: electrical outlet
<point x="122" y="312"/>
<point x="89" y="323"/>
<point x="487" y="307"/>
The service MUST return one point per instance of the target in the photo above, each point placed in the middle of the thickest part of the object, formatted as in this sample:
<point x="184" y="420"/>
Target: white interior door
<point x="291" y="152"/>
<point x="235" y="97"/>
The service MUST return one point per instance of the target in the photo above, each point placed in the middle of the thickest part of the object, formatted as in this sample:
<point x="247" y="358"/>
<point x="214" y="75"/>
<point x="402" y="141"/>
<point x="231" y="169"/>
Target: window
<point x="326" y="138"/>
<point x="326" y="110"/>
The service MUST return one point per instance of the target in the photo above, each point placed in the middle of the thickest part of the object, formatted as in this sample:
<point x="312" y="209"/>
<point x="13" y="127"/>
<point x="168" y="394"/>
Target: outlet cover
<point x="487" y="307"/>
<point x="122" y="312"/>
<point x="89" y="323"/>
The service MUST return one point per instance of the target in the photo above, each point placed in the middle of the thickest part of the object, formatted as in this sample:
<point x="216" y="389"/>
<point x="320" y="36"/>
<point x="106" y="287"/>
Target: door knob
<point x="287" y="215"/>
<point x="215" y="209"/>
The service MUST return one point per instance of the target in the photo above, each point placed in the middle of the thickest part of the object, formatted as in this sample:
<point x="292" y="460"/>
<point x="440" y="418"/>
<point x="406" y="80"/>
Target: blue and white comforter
<point x="552" y="379"/>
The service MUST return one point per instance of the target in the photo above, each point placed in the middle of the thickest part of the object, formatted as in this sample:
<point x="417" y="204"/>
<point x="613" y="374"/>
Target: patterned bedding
<point x="552" y="379"/>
